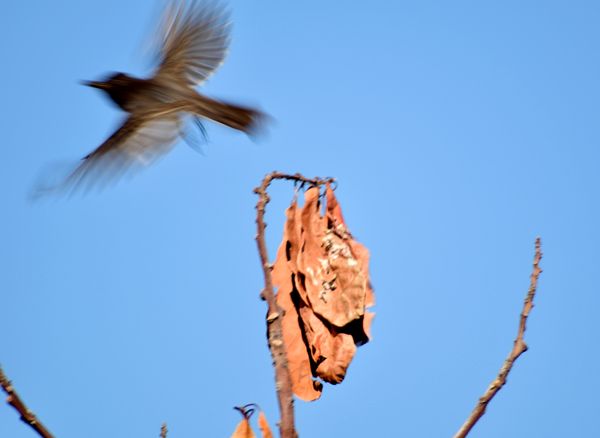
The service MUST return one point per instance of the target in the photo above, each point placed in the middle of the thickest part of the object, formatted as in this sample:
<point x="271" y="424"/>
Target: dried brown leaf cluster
<point x="322" y="277"/>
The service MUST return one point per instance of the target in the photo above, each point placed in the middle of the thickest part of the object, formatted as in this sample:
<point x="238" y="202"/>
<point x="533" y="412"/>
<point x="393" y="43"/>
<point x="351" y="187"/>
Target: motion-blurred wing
<point x="139" y="142"/>
<point x="194" y="40"/>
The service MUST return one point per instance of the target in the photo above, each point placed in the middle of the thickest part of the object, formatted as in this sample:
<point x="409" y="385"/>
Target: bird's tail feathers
<point x="238" y="117"/>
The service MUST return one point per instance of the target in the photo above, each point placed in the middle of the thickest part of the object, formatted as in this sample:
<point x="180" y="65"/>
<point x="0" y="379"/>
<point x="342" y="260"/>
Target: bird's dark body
<point x="133" y="94"/>
<point x="129" y="93"/>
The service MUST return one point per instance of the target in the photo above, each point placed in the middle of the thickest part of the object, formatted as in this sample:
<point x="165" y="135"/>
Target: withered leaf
<point x="322" y="276"/>
<point x="331" y="352"/>
<point x="334" y="279"/>
<point x="263" y="424"/>
<point x="299" y="364"/>
<point x="359" y="252"/>
<point x="243" y="430"/>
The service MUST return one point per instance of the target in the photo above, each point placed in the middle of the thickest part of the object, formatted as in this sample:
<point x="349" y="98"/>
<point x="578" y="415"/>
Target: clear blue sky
<point x="459" y="131"/>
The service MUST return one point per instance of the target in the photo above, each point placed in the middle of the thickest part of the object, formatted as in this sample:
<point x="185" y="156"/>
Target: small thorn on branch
<point x="272" y="317"/>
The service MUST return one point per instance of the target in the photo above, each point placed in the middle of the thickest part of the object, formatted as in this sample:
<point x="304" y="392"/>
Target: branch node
<point x="27" y="416"/>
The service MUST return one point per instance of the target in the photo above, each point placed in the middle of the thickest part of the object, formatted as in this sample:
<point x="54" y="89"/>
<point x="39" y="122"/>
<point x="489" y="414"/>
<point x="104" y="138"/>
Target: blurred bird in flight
<point x="194" y="37"/>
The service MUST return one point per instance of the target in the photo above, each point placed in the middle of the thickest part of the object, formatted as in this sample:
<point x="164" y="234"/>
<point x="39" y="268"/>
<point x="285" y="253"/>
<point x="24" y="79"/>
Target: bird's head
<point x="111" y="82"/>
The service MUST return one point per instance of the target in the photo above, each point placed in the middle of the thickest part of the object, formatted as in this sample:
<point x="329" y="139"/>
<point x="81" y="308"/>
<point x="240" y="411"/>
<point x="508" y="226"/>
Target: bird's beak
<point x="94" y="84"/>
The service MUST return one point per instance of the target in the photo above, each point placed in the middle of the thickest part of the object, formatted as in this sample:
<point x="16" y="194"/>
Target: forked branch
<point x="519" y="348"/>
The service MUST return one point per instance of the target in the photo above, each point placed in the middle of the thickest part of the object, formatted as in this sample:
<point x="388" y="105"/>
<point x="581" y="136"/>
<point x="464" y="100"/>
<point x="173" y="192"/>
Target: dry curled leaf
<point x="243" y="430"/>
<point x="331" y="352"/>
<point x="263" y="424"/>
<point x="298" y="360"/>
<point x="322" y="276"/>
<point x="360" y="254"/>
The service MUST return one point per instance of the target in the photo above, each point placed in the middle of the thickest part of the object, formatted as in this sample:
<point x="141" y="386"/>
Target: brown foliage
<point x="263" y="424"/>
<point x="243" y="430"/>
<point x="322" y="276"/>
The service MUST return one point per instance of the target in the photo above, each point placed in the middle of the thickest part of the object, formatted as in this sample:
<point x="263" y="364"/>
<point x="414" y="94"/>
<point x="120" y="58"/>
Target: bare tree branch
<point x="283" y="382"/>
<point x="519" y="348"/>
<point x="15" y="401"/>
<point x="163" y="430"/>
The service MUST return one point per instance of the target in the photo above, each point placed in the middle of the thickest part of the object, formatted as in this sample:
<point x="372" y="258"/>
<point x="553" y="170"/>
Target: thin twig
<point x="163" y="430"/>
<point x="519" y="348"/>
<point x="15" y="401"/>
<point x="283" y="381"/>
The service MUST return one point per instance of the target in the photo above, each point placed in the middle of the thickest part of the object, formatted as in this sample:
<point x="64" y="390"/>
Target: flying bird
<point x="193" y="38"/>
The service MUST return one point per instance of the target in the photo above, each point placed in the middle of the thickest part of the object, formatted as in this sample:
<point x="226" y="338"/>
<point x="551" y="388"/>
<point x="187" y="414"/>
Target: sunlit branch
<point x="519" y="348"/>
<point x="283" y="381"/>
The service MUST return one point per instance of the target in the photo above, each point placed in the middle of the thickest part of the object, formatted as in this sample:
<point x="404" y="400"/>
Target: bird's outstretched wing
<point x="194" y="36"/>
<point x="139" y="141"/>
